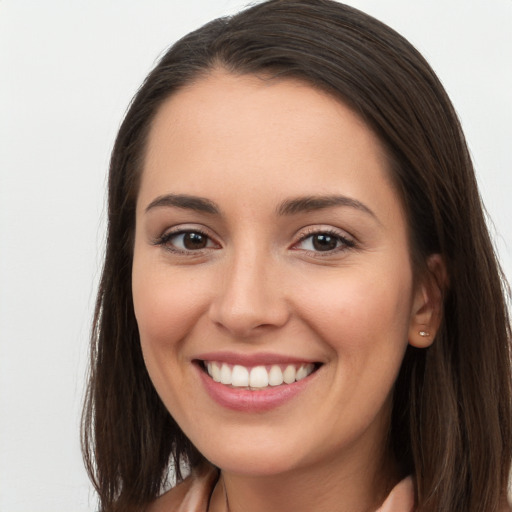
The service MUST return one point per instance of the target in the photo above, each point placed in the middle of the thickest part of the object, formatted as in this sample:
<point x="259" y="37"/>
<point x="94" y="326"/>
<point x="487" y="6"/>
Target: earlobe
<point x="426" y="314"/>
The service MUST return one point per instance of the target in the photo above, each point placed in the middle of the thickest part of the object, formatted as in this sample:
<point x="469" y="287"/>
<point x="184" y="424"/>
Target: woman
<point x="300" y="302"/>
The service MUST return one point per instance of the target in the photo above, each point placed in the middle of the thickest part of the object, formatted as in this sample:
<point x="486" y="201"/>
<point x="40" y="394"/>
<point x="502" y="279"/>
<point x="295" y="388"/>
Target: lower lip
<point x="252" y="401"/>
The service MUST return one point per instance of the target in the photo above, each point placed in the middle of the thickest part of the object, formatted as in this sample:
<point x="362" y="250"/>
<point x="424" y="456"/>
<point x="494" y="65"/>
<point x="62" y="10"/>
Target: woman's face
<point x="271" y="253"/>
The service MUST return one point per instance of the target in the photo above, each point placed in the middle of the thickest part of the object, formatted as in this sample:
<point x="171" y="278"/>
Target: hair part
<point x="451" y="421"/>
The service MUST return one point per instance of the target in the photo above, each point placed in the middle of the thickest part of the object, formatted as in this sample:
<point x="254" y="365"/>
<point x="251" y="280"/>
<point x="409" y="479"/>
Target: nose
<point x="251" y="298"/>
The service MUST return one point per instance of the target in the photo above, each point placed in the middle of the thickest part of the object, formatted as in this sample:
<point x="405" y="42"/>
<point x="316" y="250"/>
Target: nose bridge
<point x="250" y="295"/>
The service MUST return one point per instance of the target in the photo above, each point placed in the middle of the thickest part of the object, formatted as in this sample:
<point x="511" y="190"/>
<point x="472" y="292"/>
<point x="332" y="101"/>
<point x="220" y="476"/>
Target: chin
<point x="255" y="465"/>
<point x="251" y="457"/>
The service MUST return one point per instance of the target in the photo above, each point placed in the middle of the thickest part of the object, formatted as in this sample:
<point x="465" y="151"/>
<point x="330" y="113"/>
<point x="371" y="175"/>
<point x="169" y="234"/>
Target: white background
<point x="68" y="69"/>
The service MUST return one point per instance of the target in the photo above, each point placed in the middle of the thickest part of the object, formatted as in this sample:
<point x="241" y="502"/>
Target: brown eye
<point x="193" y="241"/>
<point x="187" y="241"/>
<point x="324" y="242"/>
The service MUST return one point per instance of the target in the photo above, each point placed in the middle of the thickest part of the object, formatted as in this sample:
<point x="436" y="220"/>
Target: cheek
<point x="361" y="311"/>
<point x="167" y="307"/>
<point x="166" y="303"/>
<point x="364" y="321"/>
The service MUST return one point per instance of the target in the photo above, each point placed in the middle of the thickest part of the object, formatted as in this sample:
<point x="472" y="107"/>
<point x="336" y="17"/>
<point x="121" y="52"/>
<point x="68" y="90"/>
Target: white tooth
<point x="215" y="372"/>
<point x="240" y="376"/>
<point x="302" y="372"/>
<point x="209" y="368"/>
<point x="289" y="374"/>
<point x="275" y="376"/>
<point x="225" y="374"/>
<point x="258" y="377"/>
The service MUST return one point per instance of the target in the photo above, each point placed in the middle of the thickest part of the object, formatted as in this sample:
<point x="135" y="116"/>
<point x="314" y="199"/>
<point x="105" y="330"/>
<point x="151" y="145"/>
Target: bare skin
<point x="230" y="257"/>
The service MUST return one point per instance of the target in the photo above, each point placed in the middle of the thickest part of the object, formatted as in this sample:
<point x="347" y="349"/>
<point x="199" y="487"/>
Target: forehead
<point x="237" y="104"/>
<point x="280" y="137"/>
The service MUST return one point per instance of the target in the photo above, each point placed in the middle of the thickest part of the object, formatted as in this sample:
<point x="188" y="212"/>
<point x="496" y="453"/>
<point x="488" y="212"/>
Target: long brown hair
<point x="451" y="423"/>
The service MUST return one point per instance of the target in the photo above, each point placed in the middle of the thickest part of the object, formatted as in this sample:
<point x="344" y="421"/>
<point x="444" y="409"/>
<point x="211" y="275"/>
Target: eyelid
<point x="348" y="241"/>
<point x="164" y="239"/>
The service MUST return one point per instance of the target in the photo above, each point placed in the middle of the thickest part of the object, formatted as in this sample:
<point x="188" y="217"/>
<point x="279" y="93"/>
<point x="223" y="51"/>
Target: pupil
<point x="324" y="242"/>
<point x="194" y="241"/>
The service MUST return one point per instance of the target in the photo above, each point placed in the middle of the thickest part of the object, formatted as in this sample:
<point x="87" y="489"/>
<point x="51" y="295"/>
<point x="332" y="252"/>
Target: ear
<point x="427" y="308"/>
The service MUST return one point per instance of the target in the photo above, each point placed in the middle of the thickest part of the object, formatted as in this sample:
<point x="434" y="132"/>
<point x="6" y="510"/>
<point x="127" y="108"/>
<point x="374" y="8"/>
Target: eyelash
<point x="345" y="243"/>
<point x="166" y="238"/>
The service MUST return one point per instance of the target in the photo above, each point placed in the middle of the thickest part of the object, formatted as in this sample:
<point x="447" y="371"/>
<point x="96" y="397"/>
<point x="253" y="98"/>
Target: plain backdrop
<point x="68" y="69"/>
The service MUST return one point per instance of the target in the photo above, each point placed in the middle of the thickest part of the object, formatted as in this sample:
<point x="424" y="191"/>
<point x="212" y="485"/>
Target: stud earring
<point x="425" y="334"/>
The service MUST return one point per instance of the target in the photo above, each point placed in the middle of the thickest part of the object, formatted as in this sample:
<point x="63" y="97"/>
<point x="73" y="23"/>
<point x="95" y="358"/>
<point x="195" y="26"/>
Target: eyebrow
<point x="288" y="207"/>
<point x="187" y="202"/>
<point x="311" y="203"/>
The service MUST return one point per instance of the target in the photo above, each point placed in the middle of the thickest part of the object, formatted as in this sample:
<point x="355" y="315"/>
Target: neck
<point x="335" y="485"/>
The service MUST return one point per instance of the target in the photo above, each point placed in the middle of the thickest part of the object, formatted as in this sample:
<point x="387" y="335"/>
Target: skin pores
<point x="269" y="234"/>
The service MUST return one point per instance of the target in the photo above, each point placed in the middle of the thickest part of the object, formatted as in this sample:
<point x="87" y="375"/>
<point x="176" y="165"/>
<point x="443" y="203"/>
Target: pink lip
<point x="251" y="401"/>
<point x="250" y="360"/>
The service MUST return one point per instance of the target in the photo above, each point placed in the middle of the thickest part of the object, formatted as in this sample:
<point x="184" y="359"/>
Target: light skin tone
<point x="267" y="223"/>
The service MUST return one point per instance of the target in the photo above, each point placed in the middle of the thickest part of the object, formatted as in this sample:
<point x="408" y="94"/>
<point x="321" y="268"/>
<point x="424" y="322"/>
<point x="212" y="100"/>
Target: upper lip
<point x="256" y="359"/>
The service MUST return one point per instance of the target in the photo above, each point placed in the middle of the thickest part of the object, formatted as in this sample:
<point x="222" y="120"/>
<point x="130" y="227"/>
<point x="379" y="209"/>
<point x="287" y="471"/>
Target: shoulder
<point x="401" y="498"/>
<point x="171" y="499"/>
<point x="193" y="493"/>
<point x="505" y="506"/>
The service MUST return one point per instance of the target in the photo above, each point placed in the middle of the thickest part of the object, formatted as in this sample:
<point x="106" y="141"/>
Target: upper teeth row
<point x="257" y="376"/>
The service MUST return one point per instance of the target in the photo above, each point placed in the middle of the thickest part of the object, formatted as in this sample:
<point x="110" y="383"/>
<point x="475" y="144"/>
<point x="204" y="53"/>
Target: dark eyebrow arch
<point x="184" y="201"/>
<point x="311" y="203"/>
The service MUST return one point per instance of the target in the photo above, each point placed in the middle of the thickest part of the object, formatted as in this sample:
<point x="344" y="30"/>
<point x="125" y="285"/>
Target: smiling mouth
<point x="257" y="378"/>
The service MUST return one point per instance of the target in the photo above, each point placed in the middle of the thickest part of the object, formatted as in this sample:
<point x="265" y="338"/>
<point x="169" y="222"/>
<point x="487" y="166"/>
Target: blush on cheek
<point x="360" y="314"/>
<point x="160" y="325"/>
<point x="166" y="308"/>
